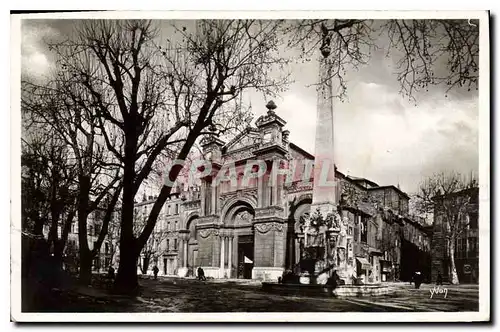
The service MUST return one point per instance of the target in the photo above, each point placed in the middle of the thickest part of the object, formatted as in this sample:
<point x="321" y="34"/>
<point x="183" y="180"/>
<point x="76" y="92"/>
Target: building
<point x="395" y="243"/>
<point x="239" y="228"/>
<point x="162" y="248"/>
<point x="466" y="249"/>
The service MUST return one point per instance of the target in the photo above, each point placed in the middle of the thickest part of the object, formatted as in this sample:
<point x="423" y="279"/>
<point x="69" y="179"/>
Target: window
<point x="176" y="225"/>
<point x="168" y="244"/>
<point x="176" y="208"/>
<point x="175" y="244"/>
<point x="106" y="248"/>
<point x="459" y="248"/>
<point x="168" y="226"/>
<point x="364" y="229"/>
<point x="356" y="233"/>
<point x="473" y="247"/>
<point x="168" y="210"/>
<point x="473" y="219"/>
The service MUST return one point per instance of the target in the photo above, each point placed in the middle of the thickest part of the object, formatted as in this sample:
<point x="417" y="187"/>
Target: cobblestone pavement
<point x="444" y="298"/>
<point x="184" y="295"/>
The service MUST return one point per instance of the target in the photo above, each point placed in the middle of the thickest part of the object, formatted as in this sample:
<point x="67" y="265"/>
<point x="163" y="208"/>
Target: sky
<point x="379" y="134"/>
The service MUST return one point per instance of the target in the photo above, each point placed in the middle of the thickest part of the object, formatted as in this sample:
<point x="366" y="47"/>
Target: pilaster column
<point x="275" y="193"/>
<point x="260" y="191"/>
<point x="214" y="199"/>
<point x="203" y="194"/>
<point x="185" y="244"/>
<point x="274" y="188"/>
<point x="230" y="255"/>
<point x="222" y="252"/>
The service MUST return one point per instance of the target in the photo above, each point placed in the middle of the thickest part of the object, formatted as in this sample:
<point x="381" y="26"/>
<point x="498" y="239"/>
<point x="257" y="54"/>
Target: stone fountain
<point x="326" y="239"/>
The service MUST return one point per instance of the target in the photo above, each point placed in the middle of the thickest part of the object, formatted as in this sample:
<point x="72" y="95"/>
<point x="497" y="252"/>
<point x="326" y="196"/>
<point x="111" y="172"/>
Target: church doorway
<point x="245" y="256"/>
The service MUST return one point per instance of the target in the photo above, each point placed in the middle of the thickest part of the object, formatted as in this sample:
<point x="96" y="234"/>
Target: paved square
<point x="188" y="295"/>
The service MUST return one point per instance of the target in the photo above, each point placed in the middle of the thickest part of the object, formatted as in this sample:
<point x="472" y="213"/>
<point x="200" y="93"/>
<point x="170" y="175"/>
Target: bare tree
<point x="429" y="52"/>
<point x="48" y="194"/>
<point x="151" y="99"/>
<point x="63" y="107"/>
<point x="446" y="196"/>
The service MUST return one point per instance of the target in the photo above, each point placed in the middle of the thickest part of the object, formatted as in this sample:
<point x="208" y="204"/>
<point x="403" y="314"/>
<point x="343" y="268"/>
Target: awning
<point x="376" y="252"/>
<point x="365" y="264"/>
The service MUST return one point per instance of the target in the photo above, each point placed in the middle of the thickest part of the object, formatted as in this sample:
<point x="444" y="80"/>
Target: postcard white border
<point x="484" y="177"/>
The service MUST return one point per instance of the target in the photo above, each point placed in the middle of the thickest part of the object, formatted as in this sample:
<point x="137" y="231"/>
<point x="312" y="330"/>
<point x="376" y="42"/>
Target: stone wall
<point x="209" y="243"/>
<point x="269" y="250"/>
<point x="390" y="198"/>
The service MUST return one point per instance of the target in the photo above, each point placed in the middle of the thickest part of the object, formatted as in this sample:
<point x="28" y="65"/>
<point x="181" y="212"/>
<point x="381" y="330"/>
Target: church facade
<point x="250" y="227"/>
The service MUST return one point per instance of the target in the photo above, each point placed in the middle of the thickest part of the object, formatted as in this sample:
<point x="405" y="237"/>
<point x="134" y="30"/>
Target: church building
<point x="251" y="228"/>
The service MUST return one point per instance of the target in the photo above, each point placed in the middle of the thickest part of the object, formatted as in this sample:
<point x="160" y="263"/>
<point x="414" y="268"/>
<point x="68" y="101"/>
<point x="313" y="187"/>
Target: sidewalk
<point x="175" y="279"/>
<point x="459" y="288"/>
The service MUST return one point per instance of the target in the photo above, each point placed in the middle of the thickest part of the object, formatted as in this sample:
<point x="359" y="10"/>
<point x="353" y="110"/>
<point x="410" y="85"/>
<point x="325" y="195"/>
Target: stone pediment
<point x="248" y="139"/>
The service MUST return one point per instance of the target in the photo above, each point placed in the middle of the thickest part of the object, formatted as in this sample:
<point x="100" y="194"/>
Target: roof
<point x="414" y="221"/>
<point x="296" y="147"/>
<point x="391" y="187"/>
<point x="363" y="180"/>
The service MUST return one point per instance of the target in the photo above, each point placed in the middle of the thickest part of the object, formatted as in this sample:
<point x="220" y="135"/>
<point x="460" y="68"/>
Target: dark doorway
<point x="245" y="256"/>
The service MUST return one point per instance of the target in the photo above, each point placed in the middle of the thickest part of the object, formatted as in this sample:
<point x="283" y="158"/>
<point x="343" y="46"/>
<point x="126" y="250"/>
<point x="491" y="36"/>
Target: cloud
<point x="378" y="133"/>
<point x="35" y="58"/>
<point x="381" y="136"/>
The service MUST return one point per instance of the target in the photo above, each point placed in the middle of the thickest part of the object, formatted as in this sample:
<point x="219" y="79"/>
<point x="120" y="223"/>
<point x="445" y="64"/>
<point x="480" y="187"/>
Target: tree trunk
<point x="126" y="279"/>
<point x="85" y="267"/>
<point x="454" y="276"/>
<point x="83" y="245"/>
<point x="130" y="247"/>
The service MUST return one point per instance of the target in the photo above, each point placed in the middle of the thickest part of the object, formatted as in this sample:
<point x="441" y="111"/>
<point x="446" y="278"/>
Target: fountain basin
<point x="324" y="290"/>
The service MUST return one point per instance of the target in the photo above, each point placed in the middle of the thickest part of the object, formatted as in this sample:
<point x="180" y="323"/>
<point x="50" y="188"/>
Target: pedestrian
<point x="332" y="282"/>
<point x="474" y="276"/>
<point x="111" y="273"/>
<point x="155" y="271"/>
<point x="201" y="274"/>
<point x="439" y="279"/>
<point x="417" y="279"/>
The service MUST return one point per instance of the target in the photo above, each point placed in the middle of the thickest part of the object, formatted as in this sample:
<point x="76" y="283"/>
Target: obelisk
<point x="324" y="186"/>
<point x="324" y="227"/>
